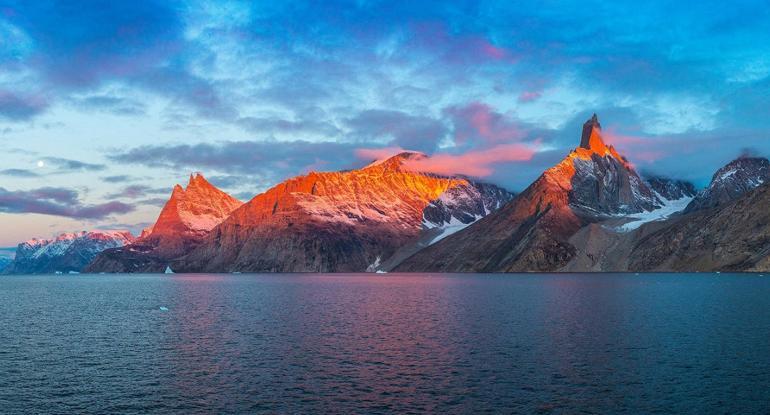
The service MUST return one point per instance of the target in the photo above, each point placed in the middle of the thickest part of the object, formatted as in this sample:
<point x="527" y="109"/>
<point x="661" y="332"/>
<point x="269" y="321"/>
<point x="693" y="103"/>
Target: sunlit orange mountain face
<point x="589" y="212"/>
<point x="593" y="183"/>
<point x="337" y="221"/>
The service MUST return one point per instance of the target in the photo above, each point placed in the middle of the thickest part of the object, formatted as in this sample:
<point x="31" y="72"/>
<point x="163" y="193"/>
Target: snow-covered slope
<point x="673" y="197"/>
<point x="67" y="252"/>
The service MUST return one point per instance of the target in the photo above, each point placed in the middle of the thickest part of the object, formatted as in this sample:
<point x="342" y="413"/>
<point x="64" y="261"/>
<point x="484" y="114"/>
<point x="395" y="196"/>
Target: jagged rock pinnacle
<point x="591" y="133"/>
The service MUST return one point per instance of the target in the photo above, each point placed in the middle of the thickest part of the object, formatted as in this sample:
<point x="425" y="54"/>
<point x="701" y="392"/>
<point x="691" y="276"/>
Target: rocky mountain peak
<point x="194" y="209"/>
<point x="731" y="181"/>
<point x="591" y="138"/>
<point x="397" y="162"/>
<point x="197" y="180"/>
<point x="596" y="178"/>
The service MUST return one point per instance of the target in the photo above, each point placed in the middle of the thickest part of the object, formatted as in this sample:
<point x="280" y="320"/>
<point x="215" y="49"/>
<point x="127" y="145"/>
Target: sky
<point x="104" y="106"/>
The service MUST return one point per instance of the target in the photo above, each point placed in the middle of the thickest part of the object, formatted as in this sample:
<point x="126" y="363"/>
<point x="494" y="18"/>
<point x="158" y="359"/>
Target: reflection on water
<point x="394" y="343"/>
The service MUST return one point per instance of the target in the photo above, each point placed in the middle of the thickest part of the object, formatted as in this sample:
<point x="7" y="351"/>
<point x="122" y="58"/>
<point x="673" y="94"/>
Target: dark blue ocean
<point x="604" y="343"/>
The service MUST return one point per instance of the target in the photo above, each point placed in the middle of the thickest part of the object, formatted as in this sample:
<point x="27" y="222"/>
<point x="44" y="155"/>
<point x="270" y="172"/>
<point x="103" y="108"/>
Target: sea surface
<point x="440" y="343"/>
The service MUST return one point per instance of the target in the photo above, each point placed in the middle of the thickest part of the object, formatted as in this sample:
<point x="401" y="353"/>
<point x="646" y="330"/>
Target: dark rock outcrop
<point x="730" y="237"/>
<point x="731" y="181"/>
<point x="670" y="189"/>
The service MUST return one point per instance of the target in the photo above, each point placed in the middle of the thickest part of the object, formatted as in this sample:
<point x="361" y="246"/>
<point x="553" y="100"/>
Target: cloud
<point x="58" y="202"/>
<point x="397" y="128"/>
<point x="117" y="179"/>
<point x="136" y="191"/>
<point x="473" y="163"/>
<point x="134" y="228"/>
<point x="153" y="201"/>
<point x="479" y="122"/>
<point x="374" y="154"/>
<point x="69" y="165"/>
<point x="529" y="96"/>
<point x="276" y="124"/>
<point x="228" y="181"/>
<point x="110" y="104"/>
<point x="270" y="160"/>
<point x="21" y="173"/>
<point x="15" y="107"/>
<point x="82" y="43"/>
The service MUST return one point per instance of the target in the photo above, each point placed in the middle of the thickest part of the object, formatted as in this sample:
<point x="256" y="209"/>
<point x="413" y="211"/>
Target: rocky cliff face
<point x="729" y="237"/>
<point x="670" y="189"/>
<point x="189" y="214"/>
<point x="69" y="252"/>
<point x="731" y="181"/>
<point x="532" y="232"/>
<point x="597" y="179"/>
<point x="340" y="221"/>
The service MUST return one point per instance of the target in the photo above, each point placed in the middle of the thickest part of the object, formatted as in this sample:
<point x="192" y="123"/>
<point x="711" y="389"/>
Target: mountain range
<point x="590" y="212"/>
<point x="68" y="252"/>
<point x="354" y="220"/>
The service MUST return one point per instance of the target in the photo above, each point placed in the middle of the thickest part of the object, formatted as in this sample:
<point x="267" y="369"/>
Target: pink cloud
<point x="529" y="96"/>
<point x="371" y="154"/>
<point x="473" y="163"/>
<point x="462" y="49"/>
<point x="638" y="148"/>
<point x="491" y="50"/>
<point x="478" y="120"/>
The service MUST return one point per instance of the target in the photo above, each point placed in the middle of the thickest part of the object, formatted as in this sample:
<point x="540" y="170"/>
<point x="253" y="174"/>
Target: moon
<point x="40" y="163"/>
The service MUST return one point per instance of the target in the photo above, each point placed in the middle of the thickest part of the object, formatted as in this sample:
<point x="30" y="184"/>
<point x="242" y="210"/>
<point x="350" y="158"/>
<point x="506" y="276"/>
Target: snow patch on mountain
<point x="669" y="208"/>
<point x="450" y="228"/>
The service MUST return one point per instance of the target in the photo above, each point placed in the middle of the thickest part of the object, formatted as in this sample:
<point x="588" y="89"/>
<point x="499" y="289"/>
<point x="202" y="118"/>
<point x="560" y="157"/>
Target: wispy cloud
<point x="69" y="165"/>
<point x="58" y="202"/>
<point x="136" y="191"/>
<point x="18" y="107"/>
<point x="20" y="173"/>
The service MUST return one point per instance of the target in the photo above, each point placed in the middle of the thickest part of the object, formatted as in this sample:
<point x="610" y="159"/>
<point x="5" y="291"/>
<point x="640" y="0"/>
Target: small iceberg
<point x="163" y="308"/>
<point x="168" y="270"/>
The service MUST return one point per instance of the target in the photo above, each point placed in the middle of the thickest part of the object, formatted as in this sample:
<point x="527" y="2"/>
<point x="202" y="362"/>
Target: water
<point x="385" y="343"/>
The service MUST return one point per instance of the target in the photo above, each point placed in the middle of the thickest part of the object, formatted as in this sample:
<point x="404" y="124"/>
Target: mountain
<point x="670" y="189"/>
<point x="734" y="236"/>
<point x="343" y="221"/>
<point x="726" y="227"/>
<point x="598" y="179"/>
<point x="533" y="233"/>
<point x="189" y="214"/>
<point x="731" y="181"/>
<point x="4" y="262"/>
<point x="65" y="253"/>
